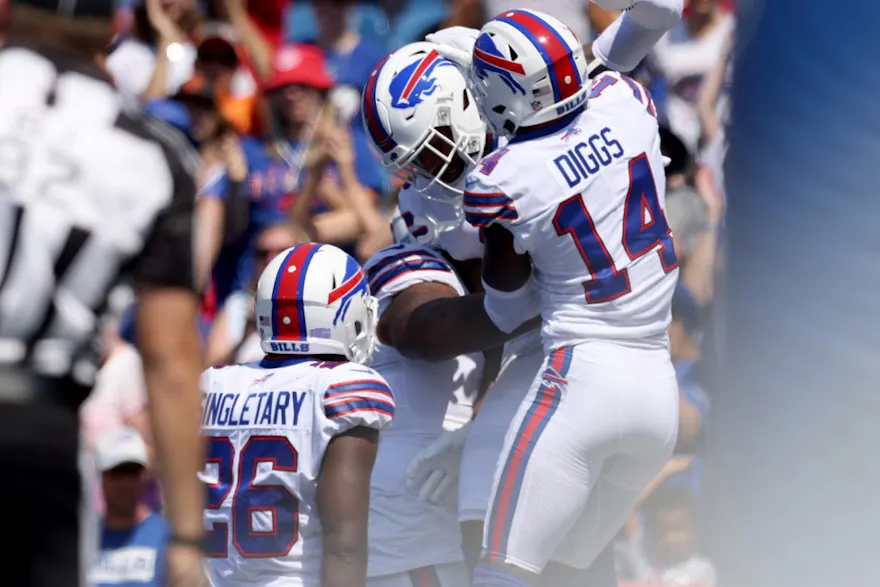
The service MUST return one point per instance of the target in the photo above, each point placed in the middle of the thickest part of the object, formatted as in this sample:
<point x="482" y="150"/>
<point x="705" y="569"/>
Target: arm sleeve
<point x="623" y="88"/>
<point x="396" y="268"/>
<point x="486" y="204"/>
<point x="167" y="259"/>
<point x="509" y="309"/>
<point x="652" y="14"/>
<point x="358" y="396"/>
<point x="634" y="33"/>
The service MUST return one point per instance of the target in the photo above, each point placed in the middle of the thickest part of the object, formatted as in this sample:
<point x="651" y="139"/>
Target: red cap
<point x="299" y="64"/>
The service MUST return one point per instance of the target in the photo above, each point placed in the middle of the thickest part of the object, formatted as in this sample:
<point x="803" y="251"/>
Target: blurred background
<point x="268" y="92"/>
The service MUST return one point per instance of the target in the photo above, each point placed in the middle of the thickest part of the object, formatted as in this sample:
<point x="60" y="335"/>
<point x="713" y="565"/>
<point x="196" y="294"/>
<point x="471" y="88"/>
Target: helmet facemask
<point x="363" y="336"/>
<point x="447" y="151"/>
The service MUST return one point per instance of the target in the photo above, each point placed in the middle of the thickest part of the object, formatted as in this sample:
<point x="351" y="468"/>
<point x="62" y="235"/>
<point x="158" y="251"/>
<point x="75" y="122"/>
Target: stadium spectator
<point x="193" y="110"/>
<point x="684" y="346"/>
<point x="695" y="214"/>
<point x="698" y="274"/>
<point x="350" y="57"/>
<point x="234" y="337"/>
<point x="713" y="101"/>
<point x="157" y="56"/>
<point x="119" y="397"/>
<point x="685" y="55"/>
<point x="334" y="202"/>
<point x="233" y="85"/>
<point x="133" y="537"/>
<point x="713" y="107"/>
<point x="671" y="556"/>
<point x="685" y="210"/>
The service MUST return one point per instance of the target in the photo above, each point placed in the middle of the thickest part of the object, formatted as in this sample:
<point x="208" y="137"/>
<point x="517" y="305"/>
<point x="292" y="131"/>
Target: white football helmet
<point x="409" y="96"/>
<point x="528" y="69"/>
<point x="314" y="299"/>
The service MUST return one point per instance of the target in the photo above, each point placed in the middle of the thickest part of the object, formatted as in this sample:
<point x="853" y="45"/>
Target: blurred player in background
<point x="89" y="194"/>
<point x="292" y="438"/>
<point x="572" y="214"/>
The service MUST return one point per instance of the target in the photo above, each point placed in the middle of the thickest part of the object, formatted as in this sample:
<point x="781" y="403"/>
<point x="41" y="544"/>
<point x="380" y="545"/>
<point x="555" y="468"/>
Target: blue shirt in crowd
<point x="134" y="557"/>
<point x="354" y="67"/>
<point x="272" y="185"/>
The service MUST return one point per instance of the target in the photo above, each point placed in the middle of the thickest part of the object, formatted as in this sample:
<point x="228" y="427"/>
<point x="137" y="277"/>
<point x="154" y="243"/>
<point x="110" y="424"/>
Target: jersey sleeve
<point x="485" y="203"/>
<point x="168" y="256"/>
<point x="618" y="86"/>
<point x="398" y="267"/>
<point x="358" y="396"/>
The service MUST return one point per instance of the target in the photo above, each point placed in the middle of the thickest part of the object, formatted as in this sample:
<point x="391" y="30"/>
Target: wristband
<point x="177" y="539"/>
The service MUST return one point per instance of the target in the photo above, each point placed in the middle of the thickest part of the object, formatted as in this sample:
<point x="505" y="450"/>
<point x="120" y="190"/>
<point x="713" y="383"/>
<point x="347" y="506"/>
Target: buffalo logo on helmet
<point x="416" y="81"/>
<point x="488" y="58"/>
<point x="353" y="284"/>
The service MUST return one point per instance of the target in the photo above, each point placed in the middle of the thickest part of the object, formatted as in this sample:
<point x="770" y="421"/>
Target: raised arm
<point x="259" y="50"/>
<point x="426" y="318"/>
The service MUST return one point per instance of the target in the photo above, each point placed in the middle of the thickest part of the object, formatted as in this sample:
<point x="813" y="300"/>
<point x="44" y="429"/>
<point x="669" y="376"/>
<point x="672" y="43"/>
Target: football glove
<point x="456" y="44"/>
<point x="435" y="469"/>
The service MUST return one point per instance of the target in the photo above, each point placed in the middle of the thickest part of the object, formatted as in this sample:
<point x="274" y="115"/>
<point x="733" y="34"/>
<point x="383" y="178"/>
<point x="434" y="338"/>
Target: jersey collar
<point x="275" y="361"/>
<point x="528" y="133"/>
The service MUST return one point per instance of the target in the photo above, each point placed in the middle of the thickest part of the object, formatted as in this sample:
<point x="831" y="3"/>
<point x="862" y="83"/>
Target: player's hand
<point x="184" y="567"/>
<point x="434" y="470"/>
<point x="456" y="44"/>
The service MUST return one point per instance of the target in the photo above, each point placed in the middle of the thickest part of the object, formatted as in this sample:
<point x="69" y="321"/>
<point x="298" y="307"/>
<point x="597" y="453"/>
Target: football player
<point x="620" y="47"/>
<point x="413" y="541"/>
<point x="424" y="121"/>
<point x="572" y="209"/>
<point x="292" y="438"/>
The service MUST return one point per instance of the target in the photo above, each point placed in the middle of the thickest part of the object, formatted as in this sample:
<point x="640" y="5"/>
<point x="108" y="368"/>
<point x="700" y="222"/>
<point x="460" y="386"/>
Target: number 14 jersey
<point x="268" y="425"/>
<point x="584" y="197"/>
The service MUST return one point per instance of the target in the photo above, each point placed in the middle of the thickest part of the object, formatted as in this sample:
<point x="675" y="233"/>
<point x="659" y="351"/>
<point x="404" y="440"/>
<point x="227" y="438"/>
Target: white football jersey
<point x="405" y="532"/>
<point x="585" y="198"/>
<point x="463" y="243"/>
<point x="268" y="425"/>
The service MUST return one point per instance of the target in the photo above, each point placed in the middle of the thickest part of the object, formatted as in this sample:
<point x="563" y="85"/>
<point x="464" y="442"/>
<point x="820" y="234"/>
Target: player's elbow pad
<point x="509" y="309"/>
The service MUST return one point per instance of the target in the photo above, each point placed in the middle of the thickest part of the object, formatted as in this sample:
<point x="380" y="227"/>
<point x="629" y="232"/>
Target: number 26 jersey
<point x="584" y="196"/>
<point x="268" y="425"/>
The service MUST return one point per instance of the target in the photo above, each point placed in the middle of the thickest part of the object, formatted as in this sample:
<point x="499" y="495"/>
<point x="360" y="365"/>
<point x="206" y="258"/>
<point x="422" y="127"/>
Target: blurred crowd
<point x="268" y="92"/>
